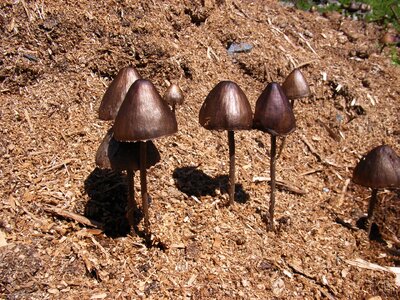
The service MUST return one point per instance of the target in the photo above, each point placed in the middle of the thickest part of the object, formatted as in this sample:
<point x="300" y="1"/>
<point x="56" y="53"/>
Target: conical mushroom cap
<point x="115" y="93"/>
<point x="296" y="86"/>
<point x="174" y="95"/>
<point x="380" y="168"/>
<point x="143" y="115"/>
<point x="120" y="156"/>
<point x="226" y="108"/>
<point x="273" y="112"/>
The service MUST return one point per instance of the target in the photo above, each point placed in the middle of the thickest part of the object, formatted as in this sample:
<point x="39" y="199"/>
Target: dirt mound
<point x="56" y="61"/>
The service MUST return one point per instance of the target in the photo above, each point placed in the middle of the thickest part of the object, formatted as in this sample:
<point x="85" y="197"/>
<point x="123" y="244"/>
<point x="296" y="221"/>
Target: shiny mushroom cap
<point x="143" y="115"/>
<point x="116" y="92"/>
<point x="120" y="156"/>
<point x="273" y="112"/>
<point x="226" y="108"/>
<point x="174" y="95"/>
<point x="380" y="168"/>
<point x="296" y="86"/>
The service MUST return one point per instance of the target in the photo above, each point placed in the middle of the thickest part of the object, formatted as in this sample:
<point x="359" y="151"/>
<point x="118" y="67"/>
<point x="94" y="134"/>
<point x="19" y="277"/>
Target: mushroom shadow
<point x="107" y="191"/>
<point x="194" y="182"/>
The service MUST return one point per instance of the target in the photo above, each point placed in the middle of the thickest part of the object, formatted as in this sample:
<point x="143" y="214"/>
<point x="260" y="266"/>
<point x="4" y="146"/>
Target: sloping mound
<point x="56" y="60"/>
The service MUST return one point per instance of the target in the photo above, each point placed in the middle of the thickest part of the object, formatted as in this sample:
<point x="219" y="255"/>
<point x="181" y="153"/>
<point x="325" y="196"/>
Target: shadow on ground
<point x="107" y="191"/>
<point x="194" y="182"/>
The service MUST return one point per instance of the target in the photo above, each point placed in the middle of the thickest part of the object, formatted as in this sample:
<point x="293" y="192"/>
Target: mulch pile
<point x="62" y="219"/>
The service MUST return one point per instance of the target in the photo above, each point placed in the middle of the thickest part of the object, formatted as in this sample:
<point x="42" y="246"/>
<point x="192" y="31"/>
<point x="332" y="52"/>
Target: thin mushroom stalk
<point x="271" y="225"/>
<point x="281" y="147"/>
<point x="131" y="206"/>
<point x="143" y="187"/>
<point x="371" y="207"/>
<point x="231" y="141"/>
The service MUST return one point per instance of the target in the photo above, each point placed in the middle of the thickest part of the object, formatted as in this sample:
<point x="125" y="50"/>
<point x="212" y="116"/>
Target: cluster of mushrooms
<point x="141" y="115"/>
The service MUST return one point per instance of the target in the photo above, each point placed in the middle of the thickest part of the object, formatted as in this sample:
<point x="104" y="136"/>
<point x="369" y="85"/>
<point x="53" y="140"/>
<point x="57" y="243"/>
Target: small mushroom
<point x="273" y="114"/>
<point x="226" y="108"/>
<point x="143" y="116"/>
<point x="121" y="156"/>
<point x="174" y="96"/>
<point x="380" y="168"/>
<point x="295" y="86"/>
<point x="115" y="93"/>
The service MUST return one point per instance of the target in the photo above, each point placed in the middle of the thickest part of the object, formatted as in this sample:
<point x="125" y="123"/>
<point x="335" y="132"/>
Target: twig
<point x="360" y="263"/>
<point x="314" y="279"/>
<point x="307" y="43"/>
<point x="60" y="165"/>
<point x="306" y="63"/>
<point x="394" y="12"/>
<point x="316" y="154"/>
<point x="331" y="133"/>
<point x="26" y="11"/>
<point x="311" y="172"/>
<point x="343" y="193"/>
<point x="70" y="215"/>
<point x="288" y="186"/>
<point x="28" y="119"/>
<point x="311" y="148"/>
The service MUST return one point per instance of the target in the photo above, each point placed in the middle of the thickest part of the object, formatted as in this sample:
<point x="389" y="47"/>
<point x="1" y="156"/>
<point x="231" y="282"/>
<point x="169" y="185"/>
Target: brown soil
<point x="56" y="60"/>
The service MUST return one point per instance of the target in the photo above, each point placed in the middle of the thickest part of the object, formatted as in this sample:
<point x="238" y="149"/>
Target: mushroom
<point x="120" y="156"/>
<point x="379" y="168"/>
<point x="226" y="108"/>
<point x="143" y="116"/>
<point x="295" y="86"/>
<point x="273" y="114"/>
<point x="115" y="93"/>
<point x="174" y="96"/>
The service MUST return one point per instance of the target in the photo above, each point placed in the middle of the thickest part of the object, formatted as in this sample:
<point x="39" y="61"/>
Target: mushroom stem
<point x="371" y="206"/>
<point x="131" y="206"/>
<point x="273" y="183"/>
<point x="143" y="187"/>
<point x="292" y="103"/>
<point x="283" y="142"/>
<point x="231" y="141"/>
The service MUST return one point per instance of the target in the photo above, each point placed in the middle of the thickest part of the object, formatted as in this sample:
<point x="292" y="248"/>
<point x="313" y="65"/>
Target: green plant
<point x="382" y="11"/>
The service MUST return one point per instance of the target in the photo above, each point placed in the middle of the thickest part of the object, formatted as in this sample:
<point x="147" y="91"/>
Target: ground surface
<point x="56" y="60"/>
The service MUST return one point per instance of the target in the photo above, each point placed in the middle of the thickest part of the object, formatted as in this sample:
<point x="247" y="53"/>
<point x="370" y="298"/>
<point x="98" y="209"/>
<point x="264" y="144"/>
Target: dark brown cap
<point x="121" y="156"/>
<point x="380" y="168"/>
<point x="273" y="112"/>
<point x="115" y="93"/>
<point x="143" y="115"/>
<point x="174" y="95"/>
<point x="226" y="108"/>
<point x="296" y="86"/>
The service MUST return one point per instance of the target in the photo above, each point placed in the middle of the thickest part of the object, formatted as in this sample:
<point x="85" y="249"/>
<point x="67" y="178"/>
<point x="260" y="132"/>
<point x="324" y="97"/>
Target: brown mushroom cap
<point x="121" y="156"/>
<point x="143" y="115"/>
<point x="380" y="168"/>
<point x="273" y="112"/>
<point x="296" y="86"/>
<point x="115" y="93"/>
<point x="174" y="95"/>
<point x="226" y="108"/>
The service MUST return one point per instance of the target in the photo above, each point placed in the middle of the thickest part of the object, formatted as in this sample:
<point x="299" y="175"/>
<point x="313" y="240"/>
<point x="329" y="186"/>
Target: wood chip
<point x="282" y="183"/>
<point x="73" y="216"/>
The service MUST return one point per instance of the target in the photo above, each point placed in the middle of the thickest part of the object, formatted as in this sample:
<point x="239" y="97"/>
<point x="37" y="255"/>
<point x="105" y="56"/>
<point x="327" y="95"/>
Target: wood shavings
<point x="361" y="263"/>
